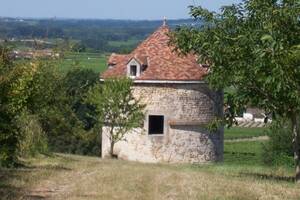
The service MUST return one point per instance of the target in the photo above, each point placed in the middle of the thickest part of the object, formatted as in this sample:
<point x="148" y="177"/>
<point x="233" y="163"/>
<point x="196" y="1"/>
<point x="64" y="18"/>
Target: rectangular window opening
<point x="133" y="70"/>
<point x="156" y="125"/>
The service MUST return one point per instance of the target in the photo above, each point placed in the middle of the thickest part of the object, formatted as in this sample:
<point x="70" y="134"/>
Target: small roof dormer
<point x="136" y="65"/>
<point x="133" y="68"/>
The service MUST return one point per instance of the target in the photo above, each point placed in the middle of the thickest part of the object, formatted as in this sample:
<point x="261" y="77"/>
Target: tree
<point x="14" y="93"/>
<point x="117" y="108"/>
<point x="253" y="47"/>
<point x="76" y="83"/>
<point x="78" y="47"/>
<point x="57" y="99"/>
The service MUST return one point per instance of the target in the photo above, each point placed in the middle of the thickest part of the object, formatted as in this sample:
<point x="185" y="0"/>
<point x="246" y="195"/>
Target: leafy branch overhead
<point x="253" y="48"/>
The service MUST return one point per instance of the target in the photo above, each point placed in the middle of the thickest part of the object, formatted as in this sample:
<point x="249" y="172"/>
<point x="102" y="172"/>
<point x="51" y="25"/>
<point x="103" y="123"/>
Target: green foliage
<point x="57" y="99"/>
<point x="41" y="107"/>
<point x="279" y="149"/>
<point x="32" y="139"/>
<point x="116" y="108"/>
<point x="78" y="47"/>
<point x="72" y="128"/>
<point x="252" y="47"/>
<point x="46" y="88"/>
<point x="214" y="125"/>
<point x="14" y="90"/>
<point x="77" y="83"/>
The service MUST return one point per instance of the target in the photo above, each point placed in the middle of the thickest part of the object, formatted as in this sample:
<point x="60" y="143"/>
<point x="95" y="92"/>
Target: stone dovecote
<point x="179" y="105"/>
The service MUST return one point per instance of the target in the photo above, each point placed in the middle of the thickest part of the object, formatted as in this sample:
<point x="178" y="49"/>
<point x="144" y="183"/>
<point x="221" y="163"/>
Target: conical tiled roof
<point x="160" y="60"/>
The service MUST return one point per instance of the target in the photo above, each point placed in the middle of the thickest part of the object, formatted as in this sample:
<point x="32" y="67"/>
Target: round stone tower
<point x="179" y="105"/>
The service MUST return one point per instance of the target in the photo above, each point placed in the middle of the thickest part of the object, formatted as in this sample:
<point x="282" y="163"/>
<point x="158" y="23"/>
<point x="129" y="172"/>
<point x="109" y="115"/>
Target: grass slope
<point x="242" y="175"/>
<point x="83" y="178"/>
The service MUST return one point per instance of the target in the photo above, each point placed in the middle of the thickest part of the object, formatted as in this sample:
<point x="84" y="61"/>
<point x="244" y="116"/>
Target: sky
<point x="105" y="9"/>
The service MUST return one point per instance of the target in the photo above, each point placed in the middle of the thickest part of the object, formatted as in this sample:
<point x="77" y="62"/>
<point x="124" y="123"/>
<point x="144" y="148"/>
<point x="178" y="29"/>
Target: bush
<point x="64" y="116"/>
<point x="40" y="107"/>
<point x="87" y="144"/>
<point x="15" y="79"/>
<point x="32" y="137"/>
<point x="278" y="151"/>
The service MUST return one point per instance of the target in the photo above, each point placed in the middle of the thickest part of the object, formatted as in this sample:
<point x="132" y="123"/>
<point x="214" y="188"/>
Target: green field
<point x="94" y="61"/>
<point x="240" y="132"/>
<point x="128" y="43"/>
<point x="243" y="153"/>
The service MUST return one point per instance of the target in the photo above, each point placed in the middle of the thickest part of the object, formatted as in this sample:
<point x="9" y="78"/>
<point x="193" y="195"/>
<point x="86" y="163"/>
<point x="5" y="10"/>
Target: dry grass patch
<point x="78" y="178"/>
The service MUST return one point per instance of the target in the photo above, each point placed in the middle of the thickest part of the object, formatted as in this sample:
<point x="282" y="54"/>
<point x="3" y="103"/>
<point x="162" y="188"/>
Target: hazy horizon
<point x="100" y="19"/>
<point x="106" y="9"/>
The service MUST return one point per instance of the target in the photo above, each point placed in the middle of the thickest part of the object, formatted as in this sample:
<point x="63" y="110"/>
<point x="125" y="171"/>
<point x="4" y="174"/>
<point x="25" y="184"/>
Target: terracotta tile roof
<point x="161" y="62"/>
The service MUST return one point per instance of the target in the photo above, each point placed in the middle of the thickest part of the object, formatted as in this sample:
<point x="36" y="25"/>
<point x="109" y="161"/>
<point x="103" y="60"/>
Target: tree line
<point x="43" y="110"/>
<point x="90" y="35"/>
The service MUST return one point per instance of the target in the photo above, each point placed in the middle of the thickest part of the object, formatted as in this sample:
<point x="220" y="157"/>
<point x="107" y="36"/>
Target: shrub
<point x="15" y="79"/>
<point x="278" y="151"/>
<point x="57" y="101"/>
<point x="32" y="137"/>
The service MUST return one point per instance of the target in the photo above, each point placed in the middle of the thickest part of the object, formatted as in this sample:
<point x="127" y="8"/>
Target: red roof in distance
<point x="159" y="59"/>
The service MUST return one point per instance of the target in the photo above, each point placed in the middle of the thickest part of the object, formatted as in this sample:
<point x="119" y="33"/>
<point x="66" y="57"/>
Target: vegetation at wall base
<point x="117" y="108"/>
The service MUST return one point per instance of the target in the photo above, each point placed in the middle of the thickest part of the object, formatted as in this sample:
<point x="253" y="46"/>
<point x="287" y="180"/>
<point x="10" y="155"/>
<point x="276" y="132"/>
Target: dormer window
<point x="133" y="70"/>
<point x="111" y="65"/>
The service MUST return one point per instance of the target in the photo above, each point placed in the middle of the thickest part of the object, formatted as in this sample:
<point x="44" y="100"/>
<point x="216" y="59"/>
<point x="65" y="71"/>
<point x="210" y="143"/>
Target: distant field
<point x="129" y="43"/>
<point x="94" y="61"/>
<point x="241" y="132"/>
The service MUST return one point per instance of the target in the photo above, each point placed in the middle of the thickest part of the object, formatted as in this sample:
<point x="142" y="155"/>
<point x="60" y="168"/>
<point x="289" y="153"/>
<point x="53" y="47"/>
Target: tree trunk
<point x="112" y="142"/>
<point x="296" y="143"/>
<point x="111" y="152"/>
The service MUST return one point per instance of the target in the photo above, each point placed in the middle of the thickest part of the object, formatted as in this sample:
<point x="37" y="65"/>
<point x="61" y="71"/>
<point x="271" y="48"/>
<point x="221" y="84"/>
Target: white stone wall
<point x="180" y="143"/>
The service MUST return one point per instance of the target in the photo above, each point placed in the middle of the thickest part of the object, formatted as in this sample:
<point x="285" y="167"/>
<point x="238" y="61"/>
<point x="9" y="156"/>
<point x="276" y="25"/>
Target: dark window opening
<point x="156" y="124"/>
<point x="133" y="70"/>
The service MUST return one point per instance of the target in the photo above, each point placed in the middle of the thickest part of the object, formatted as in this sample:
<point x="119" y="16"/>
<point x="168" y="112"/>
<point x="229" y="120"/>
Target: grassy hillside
<point x="242" y="175"/>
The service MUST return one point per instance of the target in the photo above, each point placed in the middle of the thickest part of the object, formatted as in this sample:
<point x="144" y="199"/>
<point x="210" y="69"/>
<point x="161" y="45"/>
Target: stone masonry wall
<point x="182" y="142"/>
